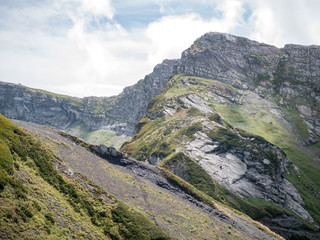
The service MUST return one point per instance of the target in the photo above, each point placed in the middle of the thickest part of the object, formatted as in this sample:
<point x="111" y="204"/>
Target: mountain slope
<point x="176" y="208"/>
<point x="207" y="132"/>
<point x="39" y="202"/>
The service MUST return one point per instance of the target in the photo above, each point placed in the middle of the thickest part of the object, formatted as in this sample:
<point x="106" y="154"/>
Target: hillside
<point x="173" y="205"/>
<point x="42" y="198"/>
<point x="229" y="142"/>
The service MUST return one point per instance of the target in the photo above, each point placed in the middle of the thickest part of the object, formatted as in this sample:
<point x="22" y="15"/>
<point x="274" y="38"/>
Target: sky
<point x="98" y="47"/>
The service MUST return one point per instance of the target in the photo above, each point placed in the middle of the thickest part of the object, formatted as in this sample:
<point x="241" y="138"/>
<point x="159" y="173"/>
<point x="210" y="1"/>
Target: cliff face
<point x="113" y="117"/>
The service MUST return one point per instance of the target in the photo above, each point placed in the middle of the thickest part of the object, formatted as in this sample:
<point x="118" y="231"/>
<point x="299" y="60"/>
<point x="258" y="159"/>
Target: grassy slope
<point x="179" y="218"/>
<point x="38" y="202"/>
<point x="101" y="136"/>
<point x="160" y="138"/>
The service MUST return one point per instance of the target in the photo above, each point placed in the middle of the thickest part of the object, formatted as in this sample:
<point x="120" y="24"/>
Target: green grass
<point x="19" y="201"/>
<point x="193" y="112"/>
<point x="299" y="126"/>
<point x="194" y="174"/>
<point x="189" y="188"/>
<point x="101" y="136"/>
<point x="72" y="100"/>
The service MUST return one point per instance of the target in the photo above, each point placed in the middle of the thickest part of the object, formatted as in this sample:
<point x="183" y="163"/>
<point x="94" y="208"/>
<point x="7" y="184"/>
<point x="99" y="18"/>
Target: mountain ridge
<point x="241" y="62"/>
<point x="223" y="95"/>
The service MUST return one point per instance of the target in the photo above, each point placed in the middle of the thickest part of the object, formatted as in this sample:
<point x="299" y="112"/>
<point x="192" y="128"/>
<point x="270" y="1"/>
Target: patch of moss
<point x="298" y="124"/>
<point x="191" y="130"/>
<point x="215" y="117"/>
<point x="188" y="188"/>
<point x="134" y="225"/>
<point x="193" y="112"/>
<point x="194" y="173"/>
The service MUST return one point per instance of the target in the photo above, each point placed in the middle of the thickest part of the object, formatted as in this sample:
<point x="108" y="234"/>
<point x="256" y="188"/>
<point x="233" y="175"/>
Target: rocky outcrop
<point x="229" y="59"/>
<point x="243" y="173"/>
<point x="19" y="102"/>
<point x="131" y="104"/>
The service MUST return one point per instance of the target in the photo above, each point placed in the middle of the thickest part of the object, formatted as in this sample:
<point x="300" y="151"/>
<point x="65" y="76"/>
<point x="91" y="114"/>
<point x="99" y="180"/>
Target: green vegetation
<point x="257" y="121"/>
<point x="193" y="112"/>
<point x="299" y="126"/>
<point x="101" y="136"/>
<point x="72" y="100"/>
<point x="189" y="188"/>
<point x="194" y="174"/>
<point x="191" y="130"/>
<point x="249" y="126"/>
<point x="25" y="197"/>
<point x="134" y="225"/>
<point x="215" y="117"/>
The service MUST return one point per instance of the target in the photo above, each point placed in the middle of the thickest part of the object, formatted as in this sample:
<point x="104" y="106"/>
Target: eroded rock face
<point x="245" y="175"/>
<point x="230" y="59"/>
<point x="131" y="104"/>
<point x="18" y="102"/>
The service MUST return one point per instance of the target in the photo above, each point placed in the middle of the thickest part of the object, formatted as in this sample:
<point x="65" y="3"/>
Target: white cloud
<point x="265" y="27"/>
<point x="280" y="22"/>
<point x="98" y="7"/>
<point x="49" y="46"/>
<point x="171" y="35"/>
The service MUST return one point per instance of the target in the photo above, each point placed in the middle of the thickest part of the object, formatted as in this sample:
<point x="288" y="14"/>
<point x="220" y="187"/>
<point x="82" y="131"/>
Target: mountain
<point x="107" y="120"/>
<point x="290" y="74"/>
<point x="248" y="114"/>
<point x="45" y="194"/>
<point x="237" y="119"/>
<point x="193" y="129"/>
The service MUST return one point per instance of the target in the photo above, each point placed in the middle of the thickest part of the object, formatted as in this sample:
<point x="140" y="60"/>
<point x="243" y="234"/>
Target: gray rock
<point x="244" y="175"/>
